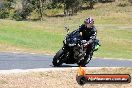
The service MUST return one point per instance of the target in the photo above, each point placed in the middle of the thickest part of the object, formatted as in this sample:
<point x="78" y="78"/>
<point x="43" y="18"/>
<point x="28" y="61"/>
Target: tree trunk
<point x="91" y="4"/>
<point x="24" y="9"/>
<point x="41" y="9"/>
<point x="65" y="13"/>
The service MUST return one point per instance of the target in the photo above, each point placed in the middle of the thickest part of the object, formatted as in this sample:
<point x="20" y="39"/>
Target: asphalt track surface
<point x="9" y="61"/>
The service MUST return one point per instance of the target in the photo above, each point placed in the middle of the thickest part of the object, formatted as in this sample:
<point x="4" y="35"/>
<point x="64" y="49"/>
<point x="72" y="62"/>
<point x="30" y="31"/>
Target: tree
<point x="28" y="6"/>
<point x="71" y="6"/>
<point x="90" y="3"/>
<point x="23" y="12"/>
<point x="6" y="7"/>
<point x="56" y="4"/>
<point x="42" y="6"/>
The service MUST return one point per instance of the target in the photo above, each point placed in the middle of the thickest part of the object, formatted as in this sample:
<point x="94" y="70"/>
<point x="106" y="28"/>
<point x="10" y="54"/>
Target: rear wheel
<point x="85" y="61"/>
<point x="58" y="58"/>
<point x="82" y="63"/>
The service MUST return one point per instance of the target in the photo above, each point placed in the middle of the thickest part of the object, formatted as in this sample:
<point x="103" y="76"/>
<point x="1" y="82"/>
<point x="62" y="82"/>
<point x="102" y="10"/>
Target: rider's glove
<point x="86" y="44"/>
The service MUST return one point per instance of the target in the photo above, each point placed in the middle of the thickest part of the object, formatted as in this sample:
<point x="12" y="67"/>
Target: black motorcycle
<point x="73" y="51"/>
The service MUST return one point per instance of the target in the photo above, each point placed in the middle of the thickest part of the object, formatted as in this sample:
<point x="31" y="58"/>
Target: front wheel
<point x="58" y="58"/>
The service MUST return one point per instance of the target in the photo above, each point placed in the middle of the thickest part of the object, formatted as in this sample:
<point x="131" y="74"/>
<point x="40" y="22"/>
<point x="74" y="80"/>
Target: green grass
<point x="33" y="39"/>
<point x="115" y="43"/>
<point x="111" y="21"/>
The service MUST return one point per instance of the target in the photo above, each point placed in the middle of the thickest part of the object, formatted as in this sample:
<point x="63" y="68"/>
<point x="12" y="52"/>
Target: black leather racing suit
<point x="88" y="34"/>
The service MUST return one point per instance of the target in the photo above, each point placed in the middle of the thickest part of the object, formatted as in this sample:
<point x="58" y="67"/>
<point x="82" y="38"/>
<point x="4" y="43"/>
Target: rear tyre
<point x="82" y="63"/>
<point x="85" y="61"/>
<point x="58" y="58"/>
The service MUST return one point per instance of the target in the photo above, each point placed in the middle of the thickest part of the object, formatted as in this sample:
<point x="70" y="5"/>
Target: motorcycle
<point x="73" y="50"/>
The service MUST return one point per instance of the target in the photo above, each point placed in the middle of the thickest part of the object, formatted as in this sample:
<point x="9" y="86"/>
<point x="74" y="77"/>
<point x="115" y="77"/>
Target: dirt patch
<point x="63" y="78"/>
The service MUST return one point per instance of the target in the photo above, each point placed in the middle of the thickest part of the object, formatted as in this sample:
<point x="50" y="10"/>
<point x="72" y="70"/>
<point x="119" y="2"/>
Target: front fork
<point x="90" y="57"/>
<point x="87" y="58"/>
<point x="66" y="52"/>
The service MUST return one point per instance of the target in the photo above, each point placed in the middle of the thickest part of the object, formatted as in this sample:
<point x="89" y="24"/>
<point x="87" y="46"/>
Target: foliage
<point x="6" y="8"/>
<point x="71" y="6"/>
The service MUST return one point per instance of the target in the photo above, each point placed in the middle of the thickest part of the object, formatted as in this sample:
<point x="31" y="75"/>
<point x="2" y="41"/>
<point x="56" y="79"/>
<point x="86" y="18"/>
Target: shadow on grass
<point x="59" y="15"/>
<point x="62" y="15"/>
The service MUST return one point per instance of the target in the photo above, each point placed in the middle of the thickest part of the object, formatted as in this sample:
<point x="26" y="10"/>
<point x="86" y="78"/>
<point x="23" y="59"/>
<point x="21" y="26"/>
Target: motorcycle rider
<point x="88" y="33"/>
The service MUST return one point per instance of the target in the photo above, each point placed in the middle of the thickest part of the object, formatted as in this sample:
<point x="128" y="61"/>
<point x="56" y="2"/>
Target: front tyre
<point x="58" y="58"/>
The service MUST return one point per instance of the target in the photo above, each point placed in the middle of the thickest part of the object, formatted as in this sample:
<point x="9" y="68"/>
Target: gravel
<point x="57" y="78"/>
